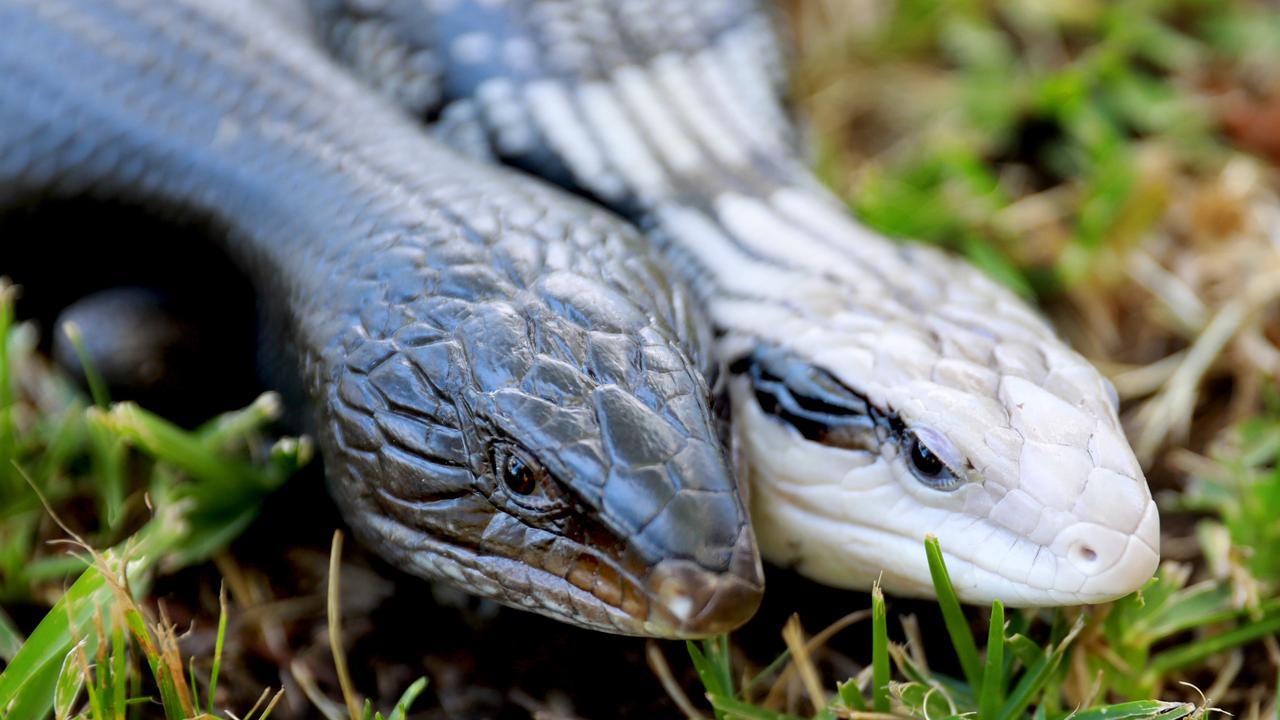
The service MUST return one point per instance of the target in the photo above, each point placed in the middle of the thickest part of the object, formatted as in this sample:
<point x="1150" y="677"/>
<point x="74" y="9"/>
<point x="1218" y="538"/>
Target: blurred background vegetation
<point x="1113" y="162"/>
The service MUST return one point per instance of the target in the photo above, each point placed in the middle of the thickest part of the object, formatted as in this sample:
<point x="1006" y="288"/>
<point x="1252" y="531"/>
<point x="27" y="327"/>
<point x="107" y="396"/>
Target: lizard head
<point x="962" y="418"/>
<point x="534" y="429"/>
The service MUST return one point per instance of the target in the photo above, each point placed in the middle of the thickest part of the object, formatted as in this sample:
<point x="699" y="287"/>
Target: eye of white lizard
<point x="930" y="456"/>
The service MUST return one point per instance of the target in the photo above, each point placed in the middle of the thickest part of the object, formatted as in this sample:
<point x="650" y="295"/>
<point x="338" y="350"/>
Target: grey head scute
<point x="529" y="428"/>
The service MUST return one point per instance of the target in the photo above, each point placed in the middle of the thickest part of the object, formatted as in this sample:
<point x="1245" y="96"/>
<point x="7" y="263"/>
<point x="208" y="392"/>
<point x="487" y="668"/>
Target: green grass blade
<point x="1037" y="675"/>
<point x="953" y="616"/>
<point x="1189" y="654"/>
<point x="767" y="672"/>
<point x="68" y="686"/>
<point x="10" y="637"/>
<point x="59" y="447"/>
<point x="28" y="681"/>
<point x="55" y="568"/>
<point x="169" y="697"/>
<point x="992" y="695"/>
<point x="217" y="647"/>
<point x="96" y="707"/>
<point x="879" y="652"/>
<point x="717" y="651"/>
<point x="108" y="457"/>
<point x="1184" y="609"/>
<point x="406" y="700"/>
<point x="1027" y="688"/>
<point x="191" y="678"/>
<point x="119" y="670"/>
<point x="10" y="484"/>
<point x="166" y="441"/>
<point x="135" y="692"/>
<point x="851" y="696"/>
<point x="734" y="709"/>
<point x="30" y="678"/>
<point x="707" y="674"/>
<point x="191" y="516"/>
<point x="210" y="532"/>
<point x="36" y="698"/>
<point x="1024" y="650"/>
<point x="97" y="386"/>
<point x="230" y="427"/>
<point x="710" y="679"/>
<point x="958" y="690"/>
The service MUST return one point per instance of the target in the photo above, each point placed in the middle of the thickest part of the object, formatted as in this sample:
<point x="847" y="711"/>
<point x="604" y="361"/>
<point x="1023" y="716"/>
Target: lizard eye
<point x="524" y="485"/>
<point x="924" y="461"/>
<point x="926" y="464"/>
<point x="519" y="476"/>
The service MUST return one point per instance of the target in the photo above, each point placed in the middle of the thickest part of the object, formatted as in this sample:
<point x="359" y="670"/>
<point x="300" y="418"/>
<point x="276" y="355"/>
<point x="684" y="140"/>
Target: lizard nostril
<point x="1084" y="554"/>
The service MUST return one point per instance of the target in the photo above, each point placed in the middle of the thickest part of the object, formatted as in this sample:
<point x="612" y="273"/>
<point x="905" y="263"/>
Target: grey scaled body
<point x="505" y="388"/>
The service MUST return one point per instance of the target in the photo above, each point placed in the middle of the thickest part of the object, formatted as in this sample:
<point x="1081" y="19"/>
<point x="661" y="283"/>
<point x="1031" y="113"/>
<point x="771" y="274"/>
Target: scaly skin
<point x="881" y="392"/>
<point x="499" y="378"/>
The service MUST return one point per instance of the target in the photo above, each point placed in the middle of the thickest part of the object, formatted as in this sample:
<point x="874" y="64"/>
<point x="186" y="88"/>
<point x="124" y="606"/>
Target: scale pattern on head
<point x="512" y="413"/>
<point x="947" y="408"/>
<point x="857" y="359"/>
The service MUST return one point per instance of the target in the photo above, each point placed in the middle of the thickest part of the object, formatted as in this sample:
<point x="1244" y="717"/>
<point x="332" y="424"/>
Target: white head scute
<point x="985" y="430"/>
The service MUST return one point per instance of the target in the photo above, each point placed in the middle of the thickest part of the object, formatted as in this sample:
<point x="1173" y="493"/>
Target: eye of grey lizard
<point x="525" y="487"/>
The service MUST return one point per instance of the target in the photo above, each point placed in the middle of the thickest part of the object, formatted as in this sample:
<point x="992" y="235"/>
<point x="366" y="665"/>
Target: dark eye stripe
<point x="824" y="410"/>
<point x="809" y="399"/>
<point x="774" y="399"/>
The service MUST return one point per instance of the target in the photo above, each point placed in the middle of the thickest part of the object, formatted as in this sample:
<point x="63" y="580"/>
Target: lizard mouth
<point x="690" y="601"/>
